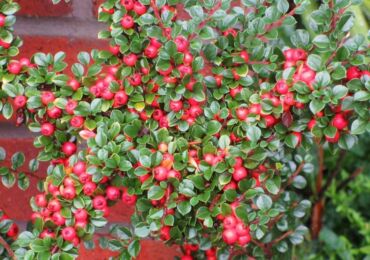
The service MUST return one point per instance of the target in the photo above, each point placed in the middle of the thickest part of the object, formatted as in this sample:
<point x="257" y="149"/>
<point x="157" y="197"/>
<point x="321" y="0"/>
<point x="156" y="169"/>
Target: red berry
<point x="20" y="101"/>
<point x="13" y="231"/>
<point x="299" y="137"/>
<point x="114" y="49"/>
<point x="89" y="187"/>
<point x="160" y="173"/>
<point x="47" y="97"/>
<point x="99" y="202"/>
<point x="241" y="229"/>
<point x="281" y="87"/>
<point x="130" y="59"/>
<point x="188" y="58"/>
<point x="54" y="112"/>
<point x="242" y="113"/>
<point x="353" y="73"/>
<point x="81" y="214"/>
<point x="69" y="233"/>
<point x="77" y="121"/>
<point x="47" y="129"/>
<point x="40" y="200"/>
<point x="311" y="124"/>
<point x="176" y="106"/>
<point x="2" y="20"/>
<point x="243" y="240"/>
<point x="74" y="84"/>
<point x="195" y="111"/>
<point x="334" y="139"/>
<point x="151" y="51"/>
<point x="139" y="8"/>
<point x="128" y="4"/>
<point x="128" y="199"/>
<point x="69" y="148"/>
<point x="245" y="56"/>
<point x="79" y="168"/>
<point x="113" y="193"/>
<point x="229" y="236"/>
<point x="182" y="43"/>
<point x="58" y="219"/>
<point x="120" y="99"/>
<point x="14" y="67"/>
<point x="339" y="122"/>
<point x="127" y="22"/>
<point x="299" y="54"/>
<point x="71" y="106"/>
<point x="47" y="233"/>
<point x="235" y="91"/>
<point x="54" y="205"/>
<point x="69" y="192"/>
<point x="165" y="233"/>
<point x="239" y="173"/>
<point x="229" y="222"/>
<point x="174" y="174"/>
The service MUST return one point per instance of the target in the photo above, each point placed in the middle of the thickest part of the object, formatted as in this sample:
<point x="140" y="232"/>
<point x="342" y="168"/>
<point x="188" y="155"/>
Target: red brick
<point x="150" y="249"/>
<point x="120" y="212"/>
<point x="44" y="8"/>
<point x="71" y="46"/>
<point x="15" y="201"/>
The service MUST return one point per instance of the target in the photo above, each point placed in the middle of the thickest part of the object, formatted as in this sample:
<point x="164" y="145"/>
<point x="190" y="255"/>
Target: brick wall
<point x="70" y="28"/>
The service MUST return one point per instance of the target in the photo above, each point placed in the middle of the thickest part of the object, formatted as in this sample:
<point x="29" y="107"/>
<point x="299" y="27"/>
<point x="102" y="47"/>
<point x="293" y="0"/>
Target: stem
<point x="282" y="237"/>
<point x="318" y="208"/>
<point x="320" y="173"/>
<point x="330" y="59"/>
<point x="7" y="247"/>
<point x="290" y="181"/>
<point x="214" y="201"/>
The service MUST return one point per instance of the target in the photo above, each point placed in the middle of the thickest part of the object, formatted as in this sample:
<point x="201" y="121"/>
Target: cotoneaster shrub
<point x="204" y="122"/>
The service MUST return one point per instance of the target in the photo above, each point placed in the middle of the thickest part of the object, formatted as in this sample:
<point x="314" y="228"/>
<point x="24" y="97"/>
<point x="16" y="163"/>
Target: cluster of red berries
<point x="234" y="229"/>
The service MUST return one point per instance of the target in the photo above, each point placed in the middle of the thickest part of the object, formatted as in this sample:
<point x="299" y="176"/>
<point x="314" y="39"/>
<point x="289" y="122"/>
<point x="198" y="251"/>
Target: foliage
<point x="204" y="124"/>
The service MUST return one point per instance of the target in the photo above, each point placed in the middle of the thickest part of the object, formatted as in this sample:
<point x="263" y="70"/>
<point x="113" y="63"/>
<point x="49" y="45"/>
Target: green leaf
<point x="254" y="133"/>
<point x="7" y="111"/>
<point x="134" y="248"/>
<point x="17" y="160"/>
<point x="316" y="105"/>
<point x="184" y="207"/>
<point x="93" y="70"/>
<point x="156" y="193"/>
<point x="340" y="91"/>
<point x="358" y="127"/>
<point x="84" y="58"/>
<point x="213" y="127"/>
<point x="224" y="141"/>
<point x="142" y="230"/>
<point x="322" y="41"/>
<point x="273" y="185"/>
<point x="264" y="202"/>
<point x="314" y="62"/>
<point x="362" y="96"/>
<point x="2" y="154"/>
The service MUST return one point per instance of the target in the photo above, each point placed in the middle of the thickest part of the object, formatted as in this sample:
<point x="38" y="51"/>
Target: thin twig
<point x="7" y="247"/>
<point x="282" y="237"/>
